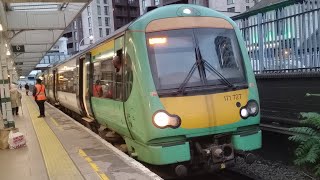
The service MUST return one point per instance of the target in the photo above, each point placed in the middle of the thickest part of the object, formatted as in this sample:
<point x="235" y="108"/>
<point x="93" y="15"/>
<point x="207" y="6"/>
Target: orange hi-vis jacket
<point x="41" y="95"/>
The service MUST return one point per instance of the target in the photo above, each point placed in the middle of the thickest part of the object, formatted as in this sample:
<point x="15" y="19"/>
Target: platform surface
<point x="58" y="147"/>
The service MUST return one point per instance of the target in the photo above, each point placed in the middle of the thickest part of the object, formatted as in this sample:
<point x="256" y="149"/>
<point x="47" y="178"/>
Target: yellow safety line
<point x="93" y="165"/>
<point x="59" y="164"/>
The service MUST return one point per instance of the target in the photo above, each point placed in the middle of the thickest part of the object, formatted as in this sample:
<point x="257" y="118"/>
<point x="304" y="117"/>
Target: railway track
<point x="223" y="175"/>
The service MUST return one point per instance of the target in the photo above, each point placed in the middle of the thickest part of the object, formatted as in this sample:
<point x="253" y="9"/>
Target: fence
<point x="283" y="39"/>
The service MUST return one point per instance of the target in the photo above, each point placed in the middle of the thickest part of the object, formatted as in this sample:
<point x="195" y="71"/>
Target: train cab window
<point x="103" y="79"/>
<point x="118" y="68"/>
<point x="128" y="77"/>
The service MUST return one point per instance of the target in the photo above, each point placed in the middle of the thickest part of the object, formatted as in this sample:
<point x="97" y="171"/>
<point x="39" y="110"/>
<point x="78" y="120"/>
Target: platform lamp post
<point x="4" y="83"/>
<point x="90" y="37"/>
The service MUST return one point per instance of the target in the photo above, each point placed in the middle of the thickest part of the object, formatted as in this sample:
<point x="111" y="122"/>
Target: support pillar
<point x="4" y="86"/>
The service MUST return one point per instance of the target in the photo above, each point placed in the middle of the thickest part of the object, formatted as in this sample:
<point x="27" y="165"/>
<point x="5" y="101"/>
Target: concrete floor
<point x="93" y="158"/>
<point x="26" y="162"/>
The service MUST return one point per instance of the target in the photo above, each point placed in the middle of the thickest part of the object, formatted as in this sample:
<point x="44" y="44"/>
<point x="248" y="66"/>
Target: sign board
<point x="18" y="48"/>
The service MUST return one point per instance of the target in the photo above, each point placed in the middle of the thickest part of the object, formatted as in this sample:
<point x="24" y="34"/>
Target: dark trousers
<point x="27" y="92"/>
<point x="41" y="107"/>
<point x="15" y="110"/>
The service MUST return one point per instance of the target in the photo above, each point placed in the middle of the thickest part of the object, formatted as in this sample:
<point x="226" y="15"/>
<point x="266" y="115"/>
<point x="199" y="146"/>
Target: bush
<point x="308" y="140"/>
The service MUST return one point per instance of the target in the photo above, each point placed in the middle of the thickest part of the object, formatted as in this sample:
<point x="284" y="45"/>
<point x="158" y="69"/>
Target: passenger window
<point x="66" y="82"/>
<point x="225" y="52"/>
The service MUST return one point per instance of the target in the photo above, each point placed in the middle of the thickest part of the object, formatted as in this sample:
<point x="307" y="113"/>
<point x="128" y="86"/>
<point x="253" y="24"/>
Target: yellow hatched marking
<point x="59" y="164"/>
<point x="93" y="165"/>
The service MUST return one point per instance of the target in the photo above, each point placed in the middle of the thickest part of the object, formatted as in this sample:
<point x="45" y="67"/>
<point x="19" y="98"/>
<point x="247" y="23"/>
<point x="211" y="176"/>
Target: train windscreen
<point x="195" y="57"/>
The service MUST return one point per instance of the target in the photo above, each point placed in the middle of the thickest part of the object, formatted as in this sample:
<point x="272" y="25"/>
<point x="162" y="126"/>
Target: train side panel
<point x="65" y="85"/>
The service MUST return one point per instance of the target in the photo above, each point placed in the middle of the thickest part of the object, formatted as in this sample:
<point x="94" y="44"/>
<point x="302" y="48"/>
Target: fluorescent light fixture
<point x="161" y="40"/>
<point x="6" y="44"/>
<point x="1" y="28"/>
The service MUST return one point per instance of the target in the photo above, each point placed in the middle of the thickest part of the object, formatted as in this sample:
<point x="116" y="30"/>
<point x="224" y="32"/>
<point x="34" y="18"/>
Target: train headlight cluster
<point x="251" y="109"/>
<point x="162" y="119"/>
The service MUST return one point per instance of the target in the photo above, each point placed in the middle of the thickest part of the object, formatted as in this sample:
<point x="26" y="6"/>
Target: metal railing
<point x="284" y="39"/>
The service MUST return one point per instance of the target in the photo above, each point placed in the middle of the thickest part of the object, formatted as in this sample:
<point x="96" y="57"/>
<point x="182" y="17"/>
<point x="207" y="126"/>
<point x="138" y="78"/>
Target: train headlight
<point x="244" y="113"/>
<point x="253" y="108"/>
<point x="162" y="119"/>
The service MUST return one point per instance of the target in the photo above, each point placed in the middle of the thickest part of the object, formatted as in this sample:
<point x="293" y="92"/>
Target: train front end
<point x="202" y="105"/>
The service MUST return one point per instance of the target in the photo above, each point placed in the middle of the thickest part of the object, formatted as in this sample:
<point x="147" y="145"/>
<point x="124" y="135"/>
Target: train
<point x="176" y="85"/>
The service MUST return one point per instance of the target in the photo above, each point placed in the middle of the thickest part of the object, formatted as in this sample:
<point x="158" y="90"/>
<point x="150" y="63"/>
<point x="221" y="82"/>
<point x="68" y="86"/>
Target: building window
<point x="74" y="24"/>
<point x="105" y="1"/>
<point x="230" y="2"/>
<point x="98" y="10"/>
<point x="231" y="9"/>
<point x="91" y="41"/>
<point x="88" y="10"/>
<point x="247" y="7"/>
<point x="247" y="1"/>
<point x="107" y="31"/>
<point x="156" y="2"/>
<point x="89" y="21"/>
<point x="76" y="35"/>
<point x="100" y="32"/>
<point x="99" y="21"/>
<point x="106" y="10"/>
<point x="106" y="21"/>
<point x="90" y="32"/>
<point x="70" y="45"/>
<point x="98" y="1"/>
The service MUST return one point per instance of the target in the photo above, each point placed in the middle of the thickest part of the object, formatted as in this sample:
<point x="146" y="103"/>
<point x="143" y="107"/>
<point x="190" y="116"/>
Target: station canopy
<point x="34" y="26"/>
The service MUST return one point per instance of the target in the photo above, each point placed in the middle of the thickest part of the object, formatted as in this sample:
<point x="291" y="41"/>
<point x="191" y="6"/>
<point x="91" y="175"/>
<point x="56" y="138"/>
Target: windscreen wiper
<point x="212" y="69"/>
<point x="184" y="83"/>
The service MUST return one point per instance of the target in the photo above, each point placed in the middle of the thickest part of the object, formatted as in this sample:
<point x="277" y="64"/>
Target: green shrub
<point x="308" y="140"/>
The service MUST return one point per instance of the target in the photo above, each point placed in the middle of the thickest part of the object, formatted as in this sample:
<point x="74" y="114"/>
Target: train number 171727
<point x="232" y="97"/>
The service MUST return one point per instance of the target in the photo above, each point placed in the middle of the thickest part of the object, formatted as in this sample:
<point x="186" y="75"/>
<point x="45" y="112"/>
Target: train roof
<point x="141" y="23"/>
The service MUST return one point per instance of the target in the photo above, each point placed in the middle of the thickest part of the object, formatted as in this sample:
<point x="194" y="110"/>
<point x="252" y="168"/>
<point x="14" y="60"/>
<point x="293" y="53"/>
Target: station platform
<point x="59" y="148"/>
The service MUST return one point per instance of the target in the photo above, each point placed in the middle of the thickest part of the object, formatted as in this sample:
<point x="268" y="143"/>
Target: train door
<point x="54" y="82"/>
<point x="85" y="67"/>
<point x="118" y="87"/>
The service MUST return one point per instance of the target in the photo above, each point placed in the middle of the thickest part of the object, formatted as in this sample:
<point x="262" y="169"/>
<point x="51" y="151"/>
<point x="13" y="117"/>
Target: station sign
<point x="18" y="48"/>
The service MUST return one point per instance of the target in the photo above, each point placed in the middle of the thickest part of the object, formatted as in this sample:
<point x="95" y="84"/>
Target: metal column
<point x="4" y="86"/>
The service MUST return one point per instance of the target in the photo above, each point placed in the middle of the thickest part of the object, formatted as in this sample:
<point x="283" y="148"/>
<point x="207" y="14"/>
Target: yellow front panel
<point x="205" y="111"/>
<point x="224" y="104"/>
<point x="191" y="109"/>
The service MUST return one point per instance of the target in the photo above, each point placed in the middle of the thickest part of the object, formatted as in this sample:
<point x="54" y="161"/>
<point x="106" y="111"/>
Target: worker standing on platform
<point x="15" y="96"/>
<point x="39" y="94"/>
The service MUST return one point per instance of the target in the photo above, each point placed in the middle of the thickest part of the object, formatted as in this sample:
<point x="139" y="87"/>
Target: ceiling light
<point x="1" y="28"/>
<point x="8" y="53"/>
